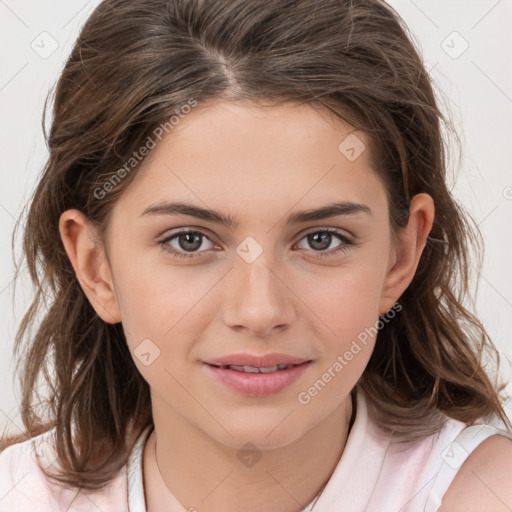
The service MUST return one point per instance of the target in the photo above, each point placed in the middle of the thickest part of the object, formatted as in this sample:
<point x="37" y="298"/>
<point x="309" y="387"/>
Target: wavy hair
<point x="135" y="64"/>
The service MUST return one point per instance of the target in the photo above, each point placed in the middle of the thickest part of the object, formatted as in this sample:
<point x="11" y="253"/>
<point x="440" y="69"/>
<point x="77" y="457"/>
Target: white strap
<point x="136" y="501"/>
<point x="454" y="456"/>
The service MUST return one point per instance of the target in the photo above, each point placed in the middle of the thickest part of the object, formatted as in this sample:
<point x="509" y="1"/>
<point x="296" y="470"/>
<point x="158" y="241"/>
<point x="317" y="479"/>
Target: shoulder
<point x="16" y="459"/>
<point x="25" y="486"/>
<point x="22" y="483"/>
<point x="483" y="480"/>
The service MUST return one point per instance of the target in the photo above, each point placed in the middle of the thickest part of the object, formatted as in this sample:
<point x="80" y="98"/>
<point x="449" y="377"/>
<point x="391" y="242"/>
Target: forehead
<point x="282" y="130"/>
<point x="236" y="154"/>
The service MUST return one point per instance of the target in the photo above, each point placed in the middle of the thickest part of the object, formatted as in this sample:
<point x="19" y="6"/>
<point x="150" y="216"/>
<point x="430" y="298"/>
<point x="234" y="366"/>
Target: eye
<point x="187" y="241"/>
<point x="322" y="239"/>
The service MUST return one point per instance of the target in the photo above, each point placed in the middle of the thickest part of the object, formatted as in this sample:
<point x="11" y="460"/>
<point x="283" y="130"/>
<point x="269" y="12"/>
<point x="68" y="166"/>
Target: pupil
<point x="313" y="240"/>
<point x="189" y="238"/>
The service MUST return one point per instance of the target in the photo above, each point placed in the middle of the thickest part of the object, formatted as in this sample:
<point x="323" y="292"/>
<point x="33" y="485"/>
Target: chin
<point x="263" y="434"/>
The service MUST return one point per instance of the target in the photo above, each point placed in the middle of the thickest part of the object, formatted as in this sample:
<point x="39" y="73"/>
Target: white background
<point x="478" y="83"/>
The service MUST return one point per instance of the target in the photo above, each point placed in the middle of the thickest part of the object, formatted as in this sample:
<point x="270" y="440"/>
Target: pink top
<point x="373" y="474"/>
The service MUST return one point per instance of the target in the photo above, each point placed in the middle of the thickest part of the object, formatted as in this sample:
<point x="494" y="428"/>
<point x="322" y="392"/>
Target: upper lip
<point x="256" y="361"/>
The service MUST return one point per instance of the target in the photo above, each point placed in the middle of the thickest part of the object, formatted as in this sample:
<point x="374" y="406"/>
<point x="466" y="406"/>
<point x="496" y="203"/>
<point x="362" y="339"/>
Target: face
<point x="191" y="289"/>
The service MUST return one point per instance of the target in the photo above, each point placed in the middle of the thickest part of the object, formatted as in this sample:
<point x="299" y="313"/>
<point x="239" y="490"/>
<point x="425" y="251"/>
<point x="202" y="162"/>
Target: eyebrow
<point x="324" y="212"/>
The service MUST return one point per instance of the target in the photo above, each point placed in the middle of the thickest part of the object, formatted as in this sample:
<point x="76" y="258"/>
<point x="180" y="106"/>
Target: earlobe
<point x="90" y="264"/>
<point x="406" y="253"/>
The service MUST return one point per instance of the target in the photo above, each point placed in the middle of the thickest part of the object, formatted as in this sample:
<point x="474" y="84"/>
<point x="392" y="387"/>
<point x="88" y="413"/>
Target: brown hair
<point x="138" y="62"/>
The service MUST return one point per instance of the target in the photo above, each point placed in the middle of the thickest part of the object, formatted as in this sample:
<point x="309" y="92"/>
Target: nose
<point x="257" y="297"/>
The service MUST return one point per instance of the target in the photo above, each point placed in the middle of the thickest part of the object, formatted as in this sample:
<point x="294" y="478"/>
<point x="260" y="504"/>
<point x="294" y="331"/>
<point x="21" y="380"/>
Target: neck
<point x="185" y="469"/>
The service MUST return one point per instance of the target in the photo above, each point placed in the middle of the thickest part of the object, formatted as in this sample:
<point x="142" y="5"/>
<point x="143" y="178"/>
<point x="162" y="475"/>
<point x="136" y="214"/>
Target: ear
<point x="405" y="253"/>
<point x="90" y="263"/>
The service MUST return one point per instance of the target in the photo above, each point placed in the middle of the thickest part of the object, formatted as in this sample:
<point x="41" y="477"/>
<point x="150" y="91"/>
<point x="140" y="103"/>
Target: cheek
<point x="162" y="304"/>
<point x="346" y="313"/>
<point x="346" y="302"/>
<point x="153" y="296"/>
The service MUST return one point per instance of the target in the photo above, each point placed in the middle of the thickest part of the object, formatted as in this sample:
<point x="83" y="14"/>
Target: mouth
<point x="258" y="381"/>
<point x="256" y="369"/>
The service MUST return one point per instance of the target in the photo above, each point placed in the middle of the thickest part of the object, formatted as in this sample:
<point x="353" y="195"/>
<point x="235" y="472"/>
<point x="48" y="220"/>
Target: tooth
<point x="269" y="370"/>
<point x="253" y="369"/>
<point x="250" y="369"/>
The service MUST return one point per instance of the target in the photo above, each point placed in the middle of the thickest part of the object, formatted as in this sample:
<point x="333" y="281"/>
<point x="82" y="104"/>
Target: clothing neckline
<point x="136" y="495"/>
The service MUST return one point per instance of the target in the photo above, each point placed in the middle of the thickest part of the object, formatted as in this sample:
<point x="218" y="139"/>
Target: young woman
<point x="251" y="275"/>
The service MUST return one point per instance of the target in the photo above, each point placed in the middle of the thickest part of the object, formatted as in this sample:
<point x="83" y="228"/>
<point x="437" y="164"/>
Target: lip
<point x="257" y="384"/>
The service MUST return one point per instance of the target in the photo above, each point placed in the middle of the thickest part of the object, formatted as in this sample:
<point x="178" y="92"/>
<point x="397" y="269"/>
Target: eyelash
<point x="342" y="248"/>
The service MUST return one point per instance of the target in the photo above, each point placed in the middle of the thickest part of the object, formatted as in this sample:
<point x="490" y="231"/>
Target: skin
<point x="259" y="165"/>
<point x="483" y="480"/>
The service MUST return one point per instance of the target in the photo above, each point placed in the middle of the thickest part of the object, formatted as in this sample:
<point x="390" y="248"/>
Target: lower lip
<point x="258" y="384"/>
